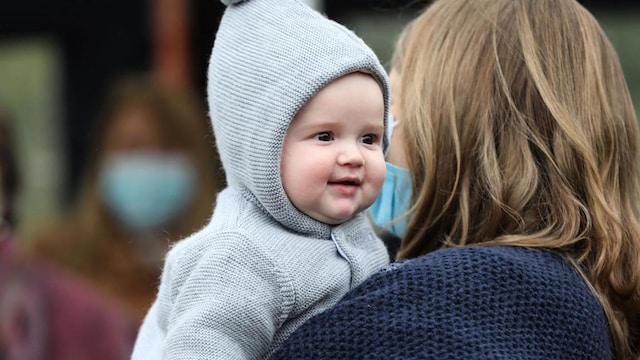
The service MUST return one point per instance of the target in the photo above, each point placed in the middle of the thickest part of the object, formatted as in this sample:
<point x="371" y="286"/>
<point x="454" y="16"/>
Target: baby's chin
<point x="338" y="217"/>
<point x="335" y="220"/>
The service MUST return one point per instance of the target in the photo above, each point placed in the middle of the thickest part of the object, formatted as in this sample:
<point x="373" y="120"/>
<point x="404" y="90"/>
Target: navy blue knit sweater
<point x="462" y="303"/>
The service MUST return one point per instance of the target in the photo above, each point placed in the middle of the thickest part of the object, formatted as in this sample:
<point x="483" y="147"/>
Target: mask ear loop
<point x="391" y="125"/>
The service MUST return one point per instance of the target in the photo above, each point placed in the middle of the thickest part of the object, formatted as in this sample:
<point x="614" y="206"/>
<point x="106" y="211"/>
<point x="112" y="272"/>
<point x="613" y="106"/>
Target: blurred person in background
<point x="152" y="179"/>
<point x="47" y="313"/>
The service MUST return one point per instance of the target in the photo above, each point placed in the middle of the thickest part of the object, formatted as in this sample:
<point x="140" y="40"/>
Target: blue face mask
<point x="146" y="191"/>
<point x="393" y="202"/>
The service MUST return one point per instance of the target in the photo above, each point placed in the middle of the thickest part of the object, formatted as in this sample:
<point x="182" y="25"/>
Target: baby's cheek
<point x="377" y="173"/>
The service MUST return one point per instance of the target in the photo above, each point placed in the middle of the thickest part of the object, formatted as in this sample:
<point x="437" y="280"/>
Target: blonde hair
<point x="521" y="131"/>
<point x="400" y="48"/>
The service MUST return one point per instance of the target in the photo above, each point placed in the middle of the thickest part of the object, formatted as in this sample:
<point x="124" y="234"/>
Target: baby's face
<point x="332" y="161"/>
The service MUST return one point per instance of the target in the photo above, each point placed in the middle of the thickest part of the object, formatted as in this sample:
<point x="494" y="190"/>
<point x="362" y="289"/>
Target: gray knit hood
<point x="269" y="58"/>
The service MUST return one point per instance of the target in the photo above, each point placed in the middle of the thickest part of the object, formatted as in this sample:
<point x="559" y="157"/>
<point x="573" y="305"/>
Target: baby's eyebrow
<point x="324" y="125"/>
<point x="376" y="128"/>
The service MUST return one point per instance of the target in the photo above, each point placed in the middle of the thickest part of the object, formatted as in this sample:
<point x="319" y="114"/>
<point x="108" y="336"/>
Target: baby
<point x="299" y="109"/>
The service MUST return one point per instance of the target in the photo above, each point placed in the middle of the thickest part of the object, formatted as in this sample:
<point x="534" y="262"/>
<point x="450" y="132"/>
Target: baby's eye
<point x="324" y="136"/>
<point x="369" y="139"/>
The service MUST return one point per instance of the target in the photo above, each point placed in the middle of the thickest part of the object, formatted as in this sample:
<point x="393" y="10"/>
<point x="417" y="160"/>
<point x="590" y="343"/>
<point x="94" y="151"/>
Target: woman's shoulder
<point x="467" y="302"/>
<point x="486" y="288"/>
<point x="469" y="264"/>
<point x="473" y="277"/>
<point x="485" y="262"/>
<point x="510" y="276"/>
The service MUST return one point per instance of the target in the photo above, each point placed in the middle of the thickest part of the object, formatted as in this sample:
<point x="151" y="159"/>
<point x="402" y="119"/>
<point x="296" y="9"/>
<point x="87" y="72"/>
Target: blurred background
<point x="59" y="58"/>
<point x="103" y="117"/>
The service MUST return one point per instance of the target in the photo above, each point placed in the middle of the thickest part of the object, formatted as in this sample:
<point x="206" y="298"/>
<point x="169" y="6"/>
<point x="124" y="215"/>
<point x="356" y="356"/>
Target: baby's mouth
<point x="346" y="182"/>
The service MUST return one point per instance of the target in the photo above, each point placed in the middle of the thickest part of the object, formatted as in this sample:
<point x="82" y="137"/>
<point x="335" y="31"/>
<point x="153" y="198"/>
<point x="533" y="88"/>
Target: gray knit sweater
<point x="237" y="288"/>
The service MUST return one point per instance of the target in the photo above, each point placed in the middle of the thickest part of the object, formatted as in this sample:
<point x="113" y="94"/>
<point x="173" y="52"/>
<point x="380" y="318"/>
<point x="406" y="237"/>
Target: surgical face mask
<point x="146" y="191"/>
<point x="393" y="202"/>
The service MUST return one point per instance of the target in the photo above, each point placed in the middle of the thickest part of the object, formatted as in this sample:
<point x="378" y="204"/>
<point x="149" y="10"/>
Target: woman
<point x="152" y="180"/>
<point x="523" y="238"/>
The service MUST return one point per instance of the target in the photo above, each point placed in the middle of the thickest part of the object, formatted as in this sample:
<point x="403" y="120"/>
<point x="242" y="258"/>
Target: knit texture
<point x="269" y="58"/>
<point x="239" y="287"/>
<point x="462" y="303"/>
<point x="260" y="268"/>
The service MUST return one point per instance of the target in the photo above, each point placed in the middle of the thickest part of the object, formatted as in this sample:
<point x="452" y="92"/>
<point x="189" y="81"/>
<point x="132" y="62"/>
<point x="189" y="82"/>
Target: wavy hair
<point x="521" y="131"/>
